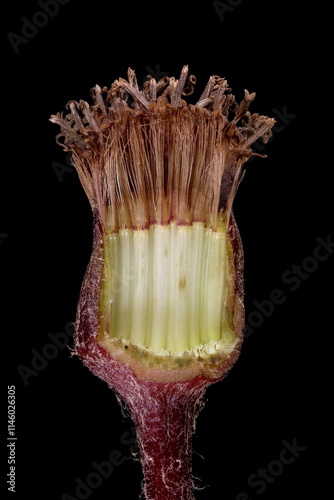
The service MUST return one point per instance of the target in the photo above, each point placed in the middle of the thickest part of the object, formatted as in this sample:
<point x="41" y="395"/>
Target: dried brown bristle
<point x="147" y="157"/>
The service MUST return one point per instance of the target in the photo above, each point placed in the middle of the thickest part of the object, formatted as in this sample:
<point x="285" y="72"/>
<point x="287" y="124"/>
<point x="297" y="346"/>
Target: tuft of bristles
<point x="147" y="157"/>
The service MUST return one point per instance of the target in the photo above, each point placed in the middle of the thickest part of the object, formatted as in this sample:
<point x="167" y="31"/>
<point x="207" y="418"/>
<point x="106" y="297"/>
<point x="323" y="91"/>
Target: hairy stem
<point x="164" y="415"/>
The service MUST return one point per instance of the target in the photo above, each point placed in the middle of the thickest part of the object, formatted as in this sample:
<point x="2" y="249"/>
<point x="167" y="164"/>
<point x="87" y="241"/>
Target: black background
<point x="278" y="391"/>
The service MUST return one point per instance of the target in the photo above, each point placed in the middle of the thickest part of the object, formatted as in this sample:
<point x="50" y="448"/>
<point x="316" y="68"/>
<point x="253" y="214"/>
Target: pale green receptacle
<point x="168" y="287"/>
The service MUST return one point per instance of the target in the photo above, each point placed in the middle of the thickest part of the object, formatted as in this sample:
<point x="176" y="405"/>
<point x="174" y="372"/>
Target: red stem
<point x="164" y="416"/>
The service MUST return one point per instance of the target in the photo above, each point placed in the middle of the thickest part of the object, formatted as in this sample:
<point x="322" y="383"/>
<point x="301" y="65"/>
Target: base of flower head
<point x="168" y="302"/>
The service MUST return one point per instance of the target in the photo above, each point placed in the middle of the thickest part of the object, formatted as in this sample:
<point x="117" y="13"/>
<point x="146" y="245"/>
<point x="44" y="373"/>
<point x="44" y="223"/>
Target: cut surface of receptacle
<point x="167" y="293"/>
